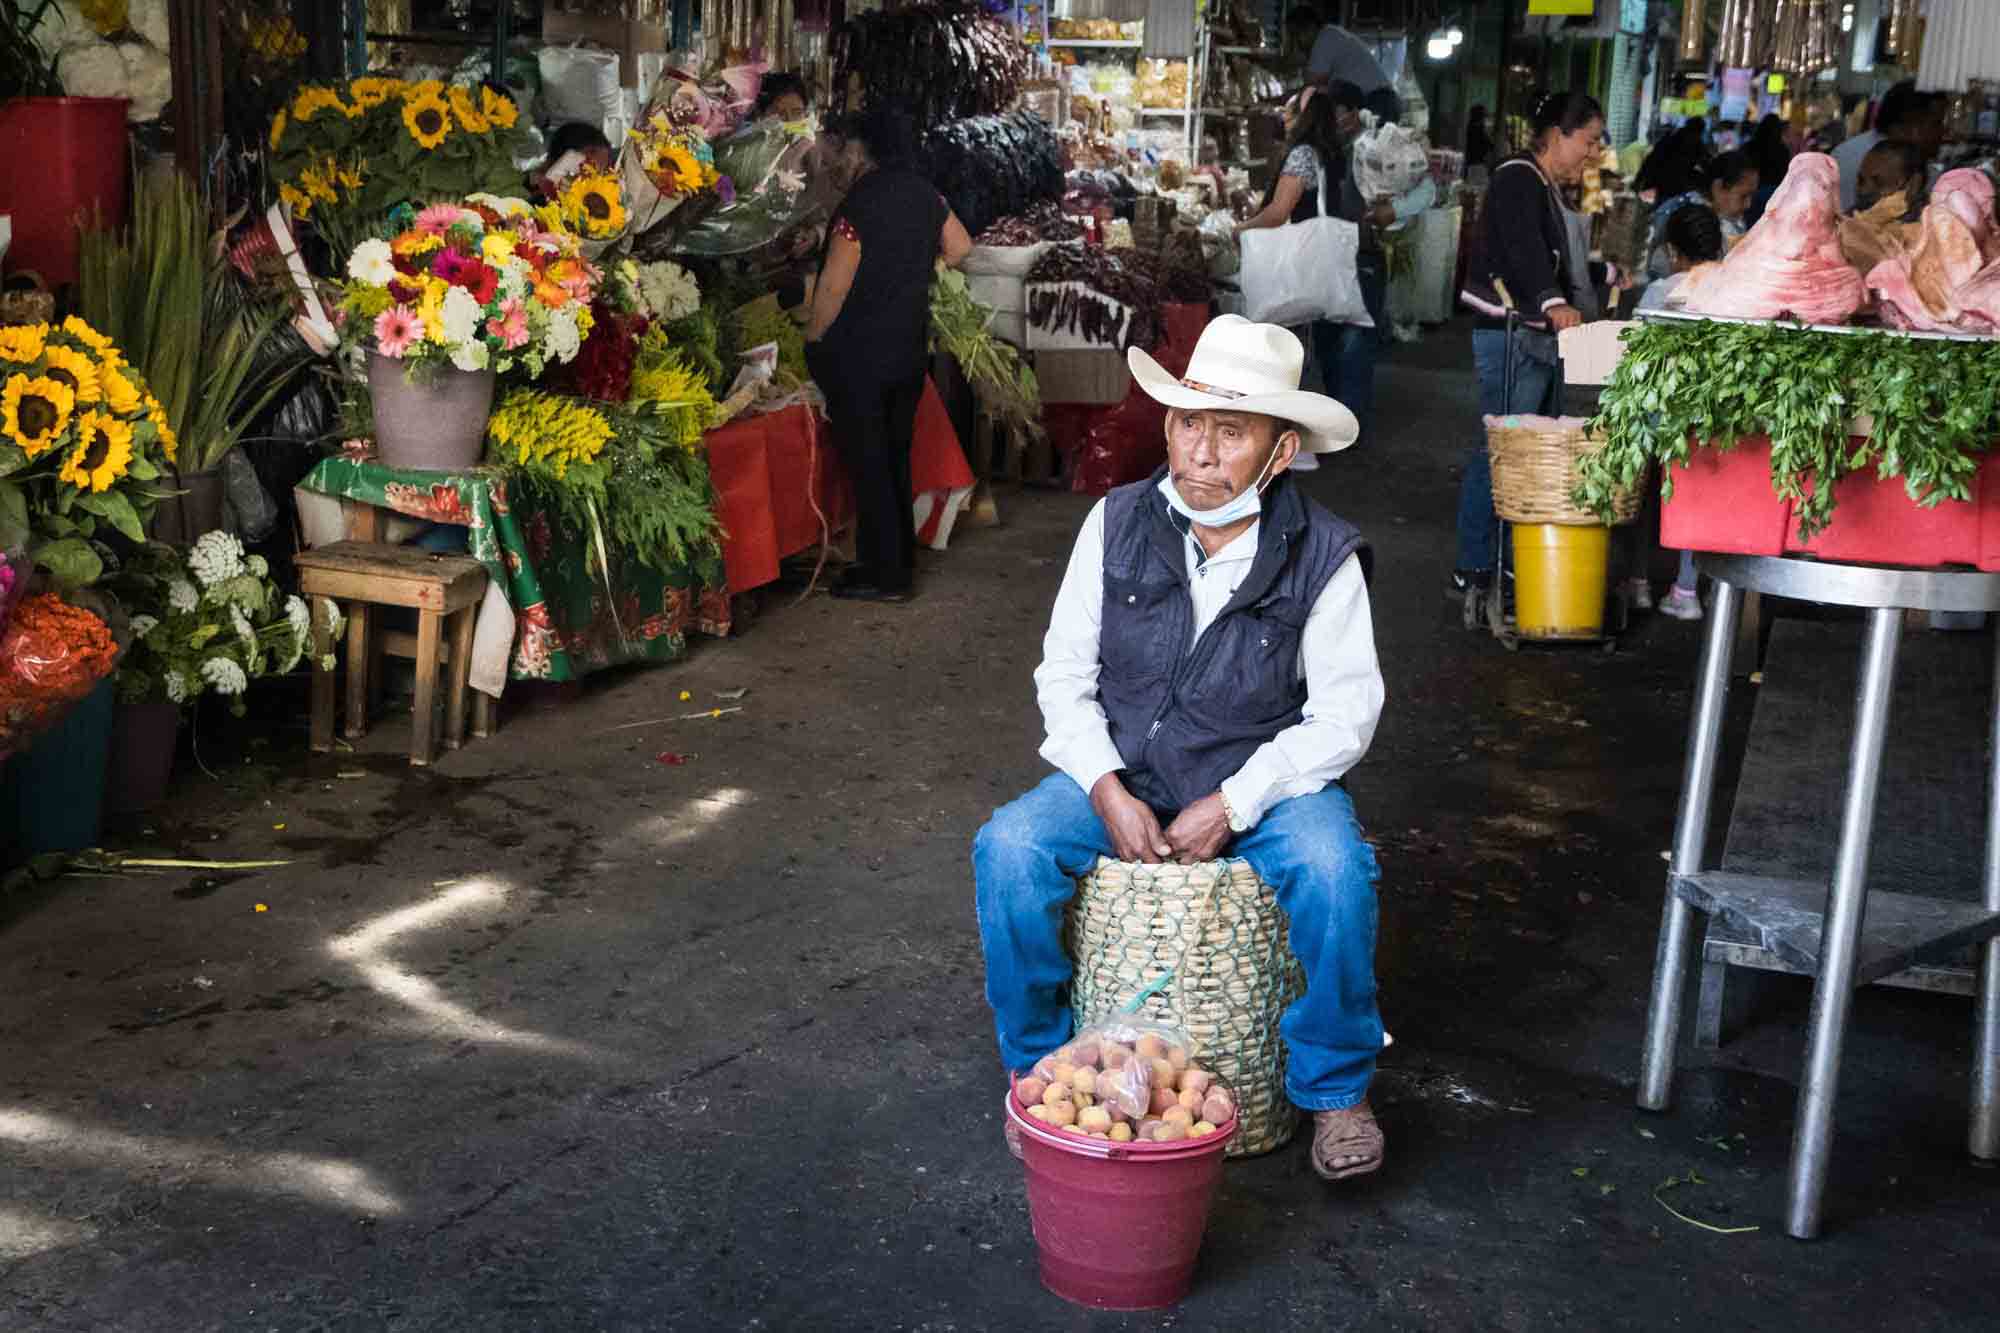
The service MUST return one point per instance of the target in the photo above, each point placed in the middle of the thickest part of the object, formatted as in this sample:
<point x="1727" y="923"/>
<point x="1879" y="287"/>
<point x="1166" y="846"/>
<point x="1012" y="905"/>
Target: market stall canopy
<point x="1339" y="54"/>
<point x="1961" y="43"/>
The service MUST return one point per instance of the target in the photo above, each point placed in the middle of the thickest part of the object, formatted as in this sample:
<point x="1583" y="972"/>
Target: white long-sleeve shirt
<point x="1336" y="661"/>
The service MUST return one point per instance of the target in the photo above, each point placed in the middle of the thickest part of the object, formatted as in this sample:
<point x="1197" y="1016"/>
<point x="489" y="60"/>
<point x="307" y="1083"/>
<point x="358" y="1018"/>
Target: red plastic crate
<point x="1723" y="502"/>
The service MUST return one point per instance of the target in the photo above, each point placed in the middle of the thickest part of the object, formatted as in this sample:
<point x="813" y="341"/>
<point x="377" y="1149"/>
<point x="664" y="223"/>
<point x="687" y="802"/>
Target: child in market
<point x="1693" y="236"/>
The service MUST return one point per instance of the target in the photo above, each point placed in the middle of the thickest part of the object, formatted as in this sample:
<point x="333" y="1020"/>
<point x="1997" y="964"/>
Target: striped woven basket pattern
<point x="1202" y="948"/>
<point x="1534" y="470"/>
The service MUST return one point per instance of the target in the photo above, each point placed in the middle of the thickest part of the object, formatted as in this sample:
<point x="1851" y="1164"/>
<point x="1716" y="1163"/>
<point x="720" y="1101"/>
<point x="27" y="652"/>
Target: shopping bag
<point x="1304" y="271"/>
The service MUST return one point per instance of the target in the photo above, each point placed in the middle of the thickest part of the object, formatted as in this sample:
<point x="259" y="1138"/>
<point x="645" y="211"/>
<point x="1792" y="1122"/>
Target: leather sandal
<point x="1348" y="1133"/>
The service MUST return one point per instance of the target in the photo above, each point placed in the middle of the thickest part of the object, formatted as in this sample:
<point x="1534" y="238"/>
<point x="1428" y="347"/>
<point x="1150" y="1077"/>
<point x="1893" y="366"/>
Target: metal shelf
<point x="1164" y="111"/>
<point x="1245" y="50"/>
<point x="1098" y="45"/>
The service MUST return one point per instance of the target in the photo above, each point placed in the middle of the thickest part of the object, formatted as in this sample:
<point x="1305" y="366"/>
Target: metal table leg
<point x="1984" y="1137"/>
<point x="1846" y="901"/>
<point x="1677" y="940"/>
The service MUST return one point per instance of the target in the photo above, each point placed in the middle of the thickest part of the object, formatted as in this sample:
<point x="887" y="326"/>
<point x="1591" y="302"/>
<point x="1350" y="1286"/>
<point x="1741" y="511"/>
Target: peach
<point x="1217" y="1108"/>
<point x="1072" y="1129"/>
<point x="1085" y="1053"/>
<point x="1170" y="1131"/>
<point x="1162" y="1099"/>
<point x="1056" y="1094"/>
<point x="1045" y="1069"/>
<point x="1030" y="1090"/>
<point x="1178" y="1115"/>
<point x="1083" y="1099"/>
<point x="1121" y="1133"/>
<point x="1062" y="1072"/>
<point x="1177" y="1056"/>
<point x="1039" y="1112"/>
<point x="1190" y="1099"/>
<point x="1196" y="1080"/>
<point x="1163" y="1074"/>
<point x="1083" y="1078"/>
<point x="1202" y="1129"/>
<point x="1115" y="1055"/>
<point x="1094" y="1118"/>
<point x="1151" y="1047"/>
<point x="1147" y="1128"/>
<point x="1059" y="1113"/>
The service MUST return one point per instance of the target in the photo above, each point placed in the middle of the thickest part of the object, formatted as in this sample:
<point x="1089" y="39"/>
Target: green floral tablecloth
<point x="566" y="625"/>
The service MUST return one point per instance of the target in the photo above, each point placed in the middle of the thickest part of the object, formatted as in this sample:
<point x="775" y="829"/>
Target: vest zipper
<point x="1187" y="661"/>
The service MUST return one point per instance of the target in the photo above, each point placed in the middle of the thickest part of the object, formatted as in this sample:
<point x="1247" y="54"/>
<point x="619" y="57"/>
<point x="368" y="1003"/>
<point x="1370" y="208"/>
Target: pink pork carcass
<point x="1926" y="288"/>
<point x="1790" y="264"/>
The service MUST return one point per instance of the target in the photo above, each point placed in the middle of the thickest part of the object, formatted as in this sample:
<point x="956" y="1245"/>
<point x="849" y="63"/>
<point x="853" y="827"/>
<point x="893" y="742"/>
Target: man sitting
<point x="1208" y="676"/>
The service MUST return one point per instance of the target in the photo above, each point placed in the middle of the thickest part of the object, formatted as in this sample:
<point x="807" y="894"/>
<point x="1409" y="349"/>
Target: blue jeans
<point x="1309" y="850"/>
<point x="1537" y="388"/>
<point x="1347" y="352"/>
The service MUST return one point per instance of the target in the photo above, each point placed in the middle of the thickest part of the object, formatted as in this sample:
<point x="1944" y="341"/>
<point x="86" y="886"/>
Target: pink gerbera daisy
<point x="395" y="329"/>
<point x="439" y="218"/>
<point x="511" y="326"/>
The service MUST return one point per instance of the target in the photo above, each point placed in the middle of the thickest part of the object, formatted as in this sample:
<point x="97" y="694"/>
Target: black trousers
<point x="874" y="423"/>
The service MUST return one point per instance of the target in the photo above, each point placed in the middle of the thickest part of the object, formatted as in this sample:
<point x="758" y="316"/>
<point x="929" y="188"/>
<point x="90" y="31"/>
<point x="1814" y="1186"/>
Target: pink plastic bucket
<point x="1118" y="1226"/>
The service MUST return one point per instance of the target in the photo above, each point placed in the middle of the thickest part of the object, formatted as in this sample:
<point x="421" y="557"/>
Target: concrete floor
<point x="556" y="1036"/>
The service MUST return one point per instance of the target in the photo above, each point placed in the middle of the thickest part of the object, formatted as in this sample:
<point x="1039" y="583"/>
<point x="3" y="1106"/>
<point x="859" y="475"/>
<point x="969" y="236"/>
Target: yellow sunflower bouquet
<point x="343" y="156"/>
<point x="82" y="444"/>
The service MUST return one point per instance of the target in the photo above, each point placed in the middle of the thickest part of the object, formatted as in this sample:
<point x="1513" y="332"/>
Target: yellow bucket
<point x="1559" y="573"/>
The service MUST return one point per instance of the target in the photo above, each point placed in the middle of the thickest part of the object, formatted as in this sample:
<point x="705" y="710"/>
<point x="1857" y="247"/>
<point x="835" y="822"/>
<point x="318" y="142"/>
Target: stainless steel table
<point x="1852" y="936"/>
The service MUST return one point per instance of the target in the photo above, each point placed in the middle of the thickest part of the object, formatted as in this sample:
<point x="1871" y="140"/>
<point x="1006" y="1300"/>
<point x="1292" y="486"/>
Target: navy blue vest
<point x="1187" y="713"/>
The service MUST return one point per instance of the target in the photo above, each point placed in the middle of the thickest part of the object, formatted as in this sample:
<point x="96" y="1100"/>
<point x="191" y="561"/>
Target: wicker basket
<point x="1534" y="470"/>
<point x="33" y="305"/>
<point x="1203" y="948"/>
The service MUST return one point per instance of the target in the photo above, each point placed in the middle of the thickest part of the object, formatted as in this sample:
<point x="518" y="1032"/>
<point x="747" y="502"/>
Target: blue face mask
<point x="1248" y="504"/>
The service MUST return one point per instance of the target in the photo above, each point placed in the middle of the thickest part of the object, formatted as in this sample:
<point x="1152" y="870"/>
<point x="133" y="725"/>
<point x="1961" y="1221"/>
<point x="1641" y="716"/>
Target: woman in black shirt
<point x="868" y="339"/>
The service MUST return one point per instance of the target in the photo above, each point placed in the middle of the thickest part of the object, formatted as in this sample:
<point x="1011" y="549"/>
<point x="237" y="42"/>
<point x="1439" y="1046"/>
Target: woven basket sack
<point x="1202" y="948"/>
<point x="1534" y="470"/>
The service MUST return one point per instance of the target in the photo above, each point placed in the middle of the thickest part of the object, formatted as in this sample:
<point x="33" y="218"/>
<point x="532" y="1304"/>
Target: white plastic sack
<point x="580" y="84"/>
<point x="1304" y="271"/>
<point x="1389" y="160"/>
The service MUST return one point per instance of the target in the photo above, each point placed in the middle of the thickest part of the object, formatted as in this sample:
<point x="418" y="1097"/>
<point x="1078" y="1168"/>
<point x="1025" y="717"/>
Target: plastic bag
<point x="580" y="84"/>
<point x="1127" y="1079"/>
<point x="1304" y="271"/>
<point x="1120" y="444"/>
<point x="250" y="506"/>
<point x="1389" y="160"/>
<point x="52" y="654"/>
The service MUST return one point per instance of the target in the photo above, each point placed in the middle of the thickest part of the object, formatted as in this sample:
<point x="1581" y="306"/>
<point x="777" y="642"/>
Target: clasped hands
<point x="1198" y="833"/>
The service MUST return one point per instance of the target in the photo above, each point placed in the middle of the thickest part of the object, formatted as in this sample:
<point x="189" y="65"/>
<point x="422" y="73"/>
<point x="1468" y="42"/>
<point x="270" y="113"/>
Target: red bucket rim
<point x="1105" y="1149"/>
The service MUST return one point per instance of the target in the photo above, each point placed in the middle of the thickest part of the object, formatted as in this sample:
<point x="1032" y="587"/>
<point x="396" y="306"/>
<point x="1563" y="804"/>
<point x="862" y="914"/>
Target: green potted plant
<point x="206" y="622"/>
<point x="166" y="295"/>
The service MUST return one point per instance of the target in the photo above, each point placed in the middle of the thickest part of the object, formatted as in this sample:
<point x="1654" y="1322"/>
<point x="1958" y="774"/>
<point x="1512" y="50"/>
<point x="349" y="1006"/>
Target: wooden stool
<point x="1203" y="948"/>
<point x="363" y="575"/>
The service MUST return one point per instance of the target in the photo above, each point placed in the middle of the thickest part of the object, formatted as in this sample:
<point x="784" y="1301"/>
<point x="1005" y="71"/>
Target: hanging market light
<point x="1747" y="30"/>
<point x="1788" y="37"/>
<point x="1901" y="12"/>
<point x="1694" y="30"/>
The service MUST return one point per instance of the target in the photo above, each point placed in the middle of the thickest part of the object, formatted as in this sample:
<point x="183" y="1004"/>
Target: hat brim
<point x="1325" y="425"/>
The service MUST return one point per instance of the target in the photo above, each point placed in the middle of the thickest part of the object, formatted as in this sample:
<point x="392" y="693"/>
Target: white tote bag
<point x="1304" y="271"/>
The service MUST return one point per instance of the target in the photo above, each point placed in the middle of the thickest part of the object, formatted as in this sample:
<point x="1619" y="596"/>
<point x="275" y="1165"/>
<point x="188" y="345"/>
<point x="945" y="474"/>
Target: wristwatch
<point x="1237" y="823"/>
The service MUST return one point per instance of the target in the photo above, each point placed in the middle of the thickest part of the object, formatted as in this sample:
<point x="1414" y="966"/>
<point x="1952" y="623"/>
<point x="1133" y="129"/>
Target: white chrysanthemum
<point x="505" y="207"/>
<point x="258" y="566"/>
<point x="177" y="686"/>
<point x="372" y="263"/>
<point x="472" y="355"/>
<point x="514" y="279"/>
<point x="225" y="675"/>
<point x="144" y="625"/>
<point x="299" y="616"/>
<point x="216" y="556"/>
<point x="669" y="290"/>
<point x="181" y="595"/>
<point x="564" y="340"/>
<point x="461" y="316"/>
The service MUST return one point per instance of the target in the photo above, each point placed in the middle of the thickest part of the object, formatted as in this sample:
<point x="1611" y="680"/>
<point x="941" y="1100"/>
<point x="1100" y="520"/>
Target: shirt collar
<point x="1185" y="526"/>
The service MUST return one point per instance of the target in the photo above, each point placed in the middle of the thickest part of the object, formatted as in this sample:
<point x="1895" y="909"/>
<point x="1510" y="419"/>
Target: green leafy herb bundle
<point x="1685" y="384"/>
<point x="960" y="325"/>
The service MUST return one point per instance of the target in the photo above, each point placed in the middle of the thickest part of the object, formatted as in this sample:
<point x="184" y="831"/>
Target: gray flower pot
<point x="439" y="425"/>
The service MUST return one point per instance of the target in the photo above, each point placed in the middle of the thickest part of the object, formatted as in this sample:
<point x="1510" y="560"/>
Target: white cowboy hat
<point x="1243" y="367"/>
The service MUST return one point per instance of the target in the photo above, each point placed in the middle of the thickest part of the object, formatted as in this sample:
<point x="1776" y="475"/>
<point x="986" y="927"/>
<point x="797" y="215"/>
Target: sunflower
<point x="23" y="343"/>
<point x="467" y="111"/>
<point x="34" y="412"/>
<point x="278" y="123"/>
<point x="591" y="204"/>
<point x="120" y="394"/>
<point x="311" y="101"/>
<point x="66" y="365"/>
<point x="169" y="444"/>
<point x="91" y="338"/>
<point x="103" y="453"/>
<point x="498" y="108"/>
<point x="428" y="118"/>
<point x="373" y="92"/>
